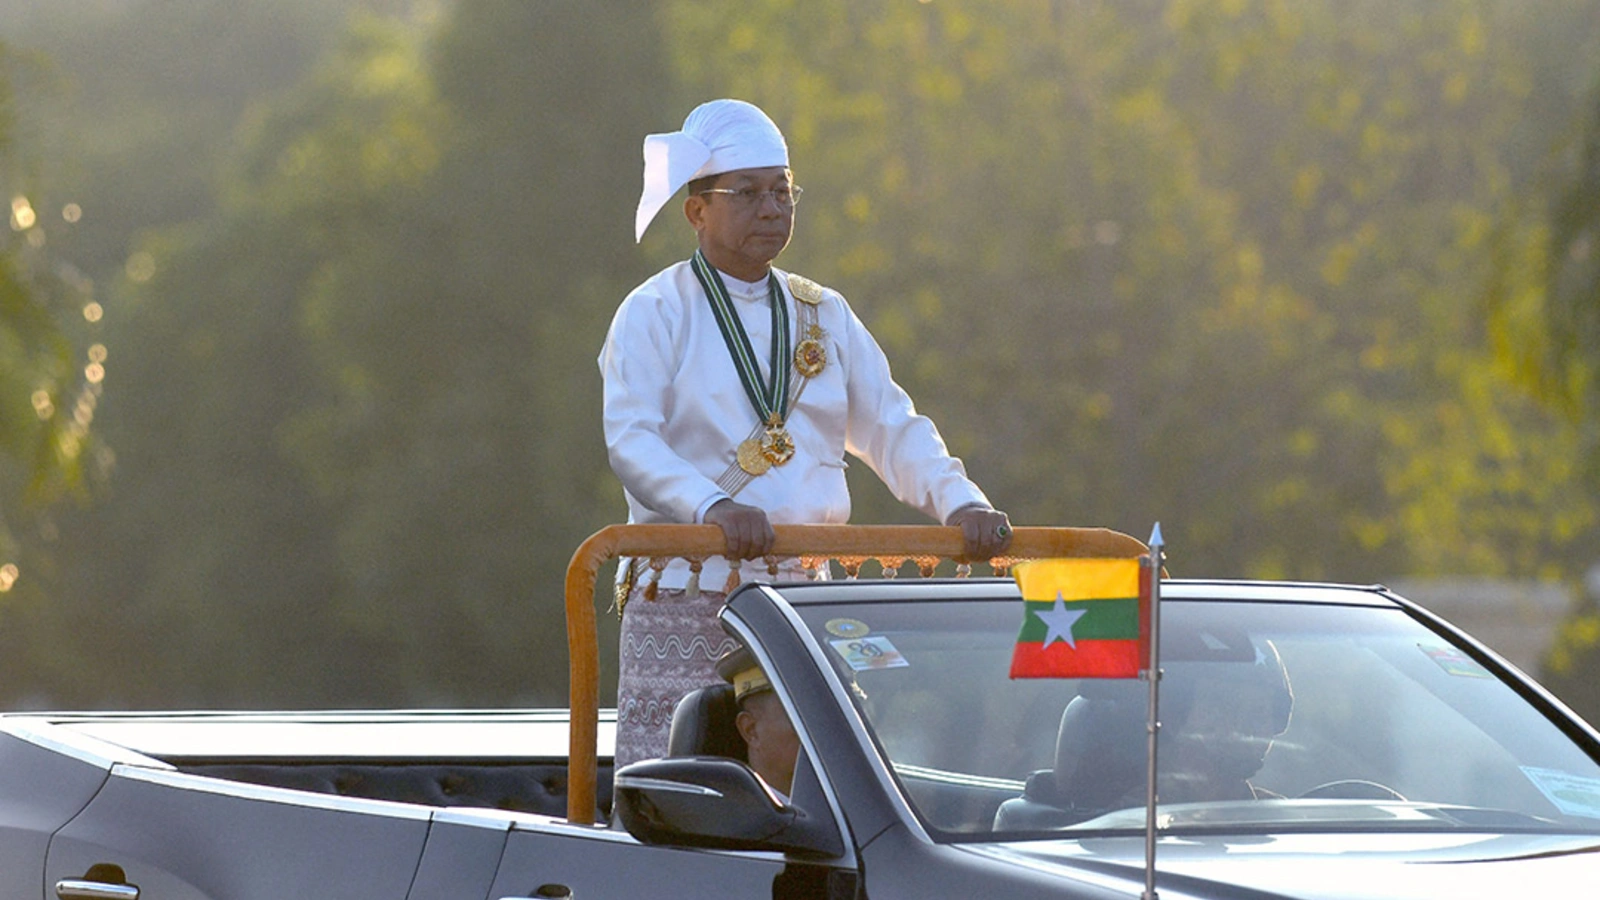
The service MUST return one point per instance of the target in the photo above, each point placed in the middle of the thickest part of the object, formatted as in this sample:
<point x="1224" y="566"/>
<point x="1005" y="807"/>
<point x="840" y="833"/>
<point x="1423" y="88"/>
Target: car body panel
<point x="1324" y="866"/>
<point x="461" y="856"/>
<point x="186" y="837"/>
<point x="41" y="789"/>
<point x="122" y="788"/>
<point x="600" y="862"/>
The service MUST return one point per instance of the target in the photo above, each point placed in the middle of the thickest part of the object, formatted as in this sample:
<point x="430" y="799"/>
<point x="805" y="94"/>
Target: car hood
<point x="1314" y="866"/>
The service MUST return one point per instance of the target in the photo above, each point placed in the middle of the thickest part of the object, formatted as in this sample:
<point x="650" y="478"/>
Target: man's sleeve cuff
<point x="713" y="500"/>
<point x="971" y="504"/>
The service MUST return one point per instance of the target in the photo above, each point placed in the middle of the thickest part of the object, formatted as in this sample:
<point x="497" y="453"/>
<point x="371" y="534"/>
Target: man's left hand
<point x="985" y="532"/>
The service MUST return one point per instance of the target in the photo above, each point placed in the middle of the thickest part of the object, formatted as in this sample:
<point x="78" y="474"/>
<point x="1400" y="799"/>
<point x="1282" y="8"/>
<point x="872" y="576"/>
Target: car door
<point x="562" y="860"/>
<point x="41" y="789"/>
<point x="188" y="837"/>
<point x="462" y="853"/>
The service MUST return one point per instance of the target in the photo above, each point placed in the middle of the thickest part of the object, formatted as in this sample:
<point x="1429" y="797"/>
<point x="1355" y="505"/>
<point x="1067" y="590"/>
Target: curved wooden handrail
<point x="705" y="541"/>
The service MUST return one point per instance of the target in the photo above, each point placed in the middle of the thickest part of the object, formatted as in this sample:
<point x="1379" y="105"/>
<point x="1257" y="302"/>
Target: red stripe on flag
<point x="1090" y="659"/>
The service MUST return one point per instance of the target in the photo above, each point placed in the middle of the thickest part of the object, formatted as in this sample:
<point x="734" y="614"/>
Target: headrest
<point x="1101" y="744"/>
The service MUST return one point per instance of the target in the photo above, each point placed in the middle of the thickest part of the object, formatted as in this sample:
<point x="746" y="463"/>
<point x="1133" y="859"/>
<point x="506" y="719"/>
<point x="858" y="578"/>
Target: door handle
<point x="79" y="889"/>
<point x="103" y="881"/>
<point x="556" y="891"/>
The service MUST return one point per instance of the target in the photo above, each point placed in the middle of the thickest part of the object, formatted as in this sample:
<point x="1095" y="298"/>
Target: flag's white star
<point x="1058" y="623"/>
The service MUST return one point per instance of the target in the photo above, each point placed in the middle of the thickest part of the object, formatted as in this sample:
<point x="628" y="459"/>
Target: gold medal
<point x="777" y="446"/>
<point x="810" y="357"/>
<point x="752" y="456"/>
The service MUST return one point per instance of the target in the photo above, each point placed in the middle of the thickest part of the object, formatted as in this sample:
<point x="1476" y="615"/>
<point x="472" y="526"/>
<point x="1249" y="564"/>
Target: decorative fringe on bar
<point x="813" y="566"/>
<point x="691" y="590"/>
<point x="656" y="565"/>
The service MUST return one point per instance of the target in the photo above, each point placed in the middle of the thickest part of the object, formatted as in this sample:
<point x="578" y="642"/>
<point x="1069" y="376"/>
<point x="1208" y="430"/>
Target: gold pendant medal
<point x="810" y="358"/>
<point x="752" y="456"/>
<point x="777" y="446"/>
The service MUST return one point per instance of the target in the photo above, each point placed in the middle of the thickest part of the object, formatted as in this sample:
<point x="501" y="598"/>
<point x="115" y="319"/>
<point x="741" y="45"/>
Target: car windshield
<point x="1274" y="716"/>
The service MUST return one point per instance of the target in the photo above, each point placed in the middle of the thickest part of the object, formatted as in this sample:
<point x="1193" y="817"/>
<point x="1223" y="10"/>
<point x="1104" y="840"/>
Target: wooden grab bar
<point x="706" y="541"/>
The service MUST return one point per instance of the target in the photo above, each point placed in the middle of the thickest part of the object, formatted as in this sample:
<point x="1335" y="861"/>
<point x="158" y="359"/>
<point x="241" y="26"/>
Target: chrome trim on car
<point x="73" y="744"/>
<point x="81" y="889"/>
<point x="641" y="783"/>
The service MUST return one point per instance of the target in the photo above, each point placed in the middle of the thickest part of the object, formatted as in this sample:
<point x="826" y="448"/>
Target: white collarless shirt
<point x="675" y="412"/>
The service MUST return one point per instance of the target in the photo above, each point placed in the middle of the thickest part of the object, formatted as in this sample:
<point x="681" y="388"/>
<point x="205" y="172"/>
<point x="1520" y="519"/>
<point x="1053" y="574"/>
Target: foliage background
<point x="1312" y="283"/>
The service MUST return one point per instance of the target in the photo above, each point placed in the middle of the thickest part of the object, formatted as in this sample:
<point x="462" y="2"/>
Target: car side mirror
<point x="714" y="802"/>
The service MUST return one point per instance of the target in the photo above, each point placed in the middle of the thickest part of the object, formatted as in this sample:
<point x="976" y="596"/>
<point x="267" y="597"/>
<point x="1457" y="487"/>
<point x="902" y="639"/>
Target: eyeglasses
<point x="750" y="198"/>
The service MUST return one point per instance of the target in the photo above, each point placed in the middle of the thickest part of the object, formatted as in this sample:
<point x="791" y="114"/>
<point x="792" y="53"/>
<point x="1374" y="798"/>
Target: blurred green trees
<point x="1221" y="265"/>
<point x="1231" y="253"/>
<point x="50" y="367"/>
<point x="1546" y="322"/>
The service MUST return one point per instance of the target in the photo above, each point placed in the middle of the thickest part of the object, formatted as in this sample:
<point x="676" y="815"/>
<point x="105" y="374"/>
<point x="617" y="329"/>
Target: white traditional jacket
<point x="675" y="412"/>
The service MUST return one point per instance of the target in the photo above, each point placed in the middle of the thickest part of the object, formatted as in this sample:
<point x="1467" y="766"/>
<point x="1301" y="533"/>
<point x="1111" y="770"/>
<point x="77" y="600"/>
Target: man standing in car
<point x="724" y="378"/>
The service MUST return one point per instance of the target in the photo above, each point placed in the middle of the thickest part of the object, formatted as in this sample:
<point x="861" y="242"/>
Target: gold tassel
<point x="734" y="579"/>
<point x="624" y="586"/>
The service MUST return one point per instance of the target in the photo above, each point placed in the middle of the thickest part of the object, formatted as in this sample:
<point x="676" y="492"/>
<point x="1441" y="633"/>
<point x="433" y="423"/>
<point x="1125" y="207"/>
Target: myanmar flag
<point x="1084" y="618"/>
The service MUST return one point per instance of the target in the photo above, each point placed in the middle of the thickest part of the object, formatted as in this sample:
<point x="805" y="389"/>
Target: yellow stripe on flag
<point x="1078" y="579"/>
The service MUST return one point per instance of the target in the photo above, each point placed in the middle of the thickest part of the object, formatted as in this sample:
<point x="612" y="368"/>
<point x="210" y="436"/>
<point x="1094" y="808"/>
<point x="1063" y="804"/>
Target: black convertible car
<point x="1316" y="741"/>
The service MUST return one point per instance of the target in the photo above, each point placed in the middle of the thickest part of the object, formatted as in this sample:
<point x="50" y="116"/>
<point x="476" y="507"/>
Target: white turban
<point x="719" y="136"/>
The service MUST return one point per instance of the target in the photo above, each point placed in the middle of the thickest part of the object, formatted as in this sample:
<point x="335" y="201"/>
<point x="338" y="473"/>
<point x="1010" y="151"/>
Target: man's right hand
<point x="745" y="528"/>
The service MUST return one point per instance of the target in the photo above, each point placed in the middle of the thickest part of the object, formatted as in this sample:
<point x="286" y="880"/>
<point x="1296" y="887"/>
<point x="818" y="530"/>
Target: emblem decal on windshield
<point x="1574" y="795"/>
<point x="847" y="628"/>
<point x="869" y="653"/>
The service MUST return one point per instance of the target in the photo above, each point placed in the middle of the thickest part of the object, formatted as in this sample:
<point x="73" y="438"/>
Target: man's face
<point x="770" y="736"/>
<point x="739" y="237"/>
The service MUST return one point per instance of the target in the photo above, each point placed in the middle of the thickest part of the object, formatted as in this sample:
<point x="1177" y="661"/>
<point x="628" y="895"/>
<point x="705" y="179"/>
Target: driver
<point x="768" y="734"/>
<point x="1224" y="718"/>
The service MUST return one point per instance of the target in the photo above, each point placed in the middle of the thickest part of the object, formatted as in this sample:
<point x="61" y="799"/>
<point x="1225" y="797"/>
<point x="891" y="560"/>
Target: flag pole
<point x="1153" y="676"/>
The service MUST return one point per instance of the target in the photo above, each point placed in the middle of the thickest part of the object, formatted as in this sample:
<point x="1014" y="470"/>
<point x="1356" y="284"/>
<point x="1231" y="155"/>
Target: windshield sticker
<point x="847" y="628"/>
<point x="869" y="653"/>
<point x="1574" y="795"/>
<point x="1454" y="662"/>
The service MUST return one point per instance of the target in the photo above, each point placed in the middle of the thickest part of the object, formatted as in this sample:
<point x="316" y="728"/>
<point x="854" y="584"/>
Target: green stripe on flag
<point x="1106" y="620"/>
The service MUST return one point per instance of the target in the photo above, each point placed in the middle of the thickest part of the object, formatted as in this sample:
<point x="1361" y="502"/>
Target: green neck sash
<point x="770" y="400"/>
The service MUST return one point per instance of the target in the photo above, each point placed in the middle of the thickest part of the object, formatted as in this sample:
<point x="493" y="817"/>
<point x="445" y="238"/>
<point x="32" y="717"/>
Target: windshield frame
<point x="806" y="597"/>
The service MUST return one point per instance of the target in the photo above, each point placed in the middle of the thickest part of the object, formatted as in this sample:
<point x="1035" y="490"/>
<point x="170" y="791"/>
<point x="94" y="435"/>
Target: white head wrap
<point x="719" y="136"/>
